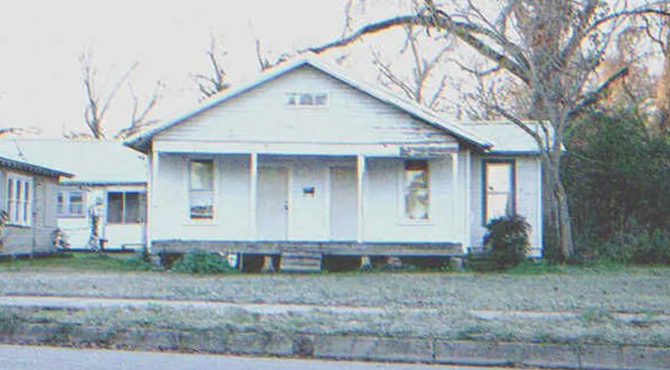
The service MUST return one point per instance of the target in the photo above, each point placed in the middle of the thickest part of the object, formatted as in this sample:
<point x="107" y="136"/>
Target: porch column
<point x="360" y="167"/>
<point x="457" y="202"/>
<point x="253" y="195"/>
<point x="151" y="198"/>
<point x="468" y="200"/>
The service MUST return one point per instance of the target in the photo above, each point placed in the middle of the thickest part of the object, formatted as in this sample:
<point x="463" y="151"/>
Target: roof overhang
<point x="28" y="167"/>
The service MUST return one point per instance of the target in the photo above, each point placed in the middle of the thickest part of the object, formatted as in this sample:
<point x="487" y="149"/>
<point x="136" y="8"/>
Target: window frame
<point x="190" y="191"/>
<point x="142" y="215"/>
<point x="298" y="95"/>
<point x="485" y="193"/>
<point x="403" y="192"/>
<point x="23" y="214"/>
<point x="68" y="202"/>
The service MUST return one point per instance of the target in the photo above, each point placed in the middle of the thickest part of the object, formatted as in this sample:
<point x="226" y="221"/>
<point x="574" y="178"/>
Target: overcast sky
<point x="41" y="41"/>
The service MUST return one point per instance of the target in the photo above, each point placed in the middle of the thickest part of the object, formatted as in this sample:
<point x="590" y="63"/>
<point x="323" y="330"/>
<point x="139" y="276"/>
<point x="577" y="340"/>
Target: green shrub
<point x="201" y="262"/>
<point x="639" y="247"/>
<point x="506" y="241"/>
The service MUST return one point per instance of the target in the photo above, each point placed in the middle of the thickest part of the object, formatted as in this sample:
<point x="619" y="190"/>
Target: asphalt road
<point x="28" y="357"/>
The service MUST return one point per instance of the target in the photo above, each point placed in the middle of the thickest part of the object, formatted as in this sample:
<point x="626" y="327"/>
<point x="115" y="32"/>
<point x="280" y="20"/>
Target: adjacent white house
<point x="109" y="183"/>
<point x="27" y="206"/>
<point x="308" y="159"/>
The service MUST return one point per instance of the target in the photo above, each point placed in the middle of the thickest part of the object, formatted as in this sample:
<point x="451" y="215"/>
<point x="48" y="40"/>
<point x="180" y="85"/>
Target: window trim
<point x="307" y="106"/>
<point x="123" y="209"/>
<point x="485" y="193"/>
<point x="189" y="216"/>
<point x="66" y="204"/>
<point x="402" y="212"/>
<point x="27" y="205"/>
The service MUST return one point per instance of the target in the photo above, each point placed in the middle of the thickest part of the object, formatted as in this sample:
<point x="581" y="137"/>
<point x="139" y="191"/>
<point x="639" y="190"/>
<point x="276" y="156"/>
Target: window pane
<point x="132" y="208"/>
<point x="202" y="204"/>
<point x="306" y="99"/>
<point x="416" y="204"/>
<point x="143" y="207"/>
<point x="26" y="202"/>
<point x="498" y="205"/>
<point x="498" y="177"/>
<point x="60" y="203"/>
<point x="18" y="209"/>
<point x="292" y="99"/>
<point x="114" y="207"/>
<point x="76" y="206"/>
<point x="201" y="175"/>
<point x="320" y="99"/>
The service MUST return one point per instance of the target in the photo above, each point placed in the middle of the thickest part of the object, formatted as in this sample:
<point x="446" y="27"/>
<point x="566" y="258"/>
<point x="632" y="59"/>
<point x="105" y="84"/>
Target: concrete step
<point x="303" y="261"/>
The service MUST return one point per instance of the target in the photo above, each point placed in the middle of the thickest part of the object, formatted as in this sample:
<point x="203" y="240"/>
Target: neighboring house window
<point x="201" y="189"/>
<point x="417" y="192"/>
<point x="307" y="99"/>
<point x="499" y="197"/>
<point x="70" y="203"/>
<point x="19" y="199"/>
<point x="126" y="207"/>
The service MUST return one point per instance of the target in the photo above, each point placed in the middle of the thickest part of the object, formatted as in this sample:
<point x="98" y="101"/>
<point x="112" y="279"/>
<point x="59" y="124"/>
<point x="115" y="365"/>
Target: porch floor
<point x="338" y="248"/>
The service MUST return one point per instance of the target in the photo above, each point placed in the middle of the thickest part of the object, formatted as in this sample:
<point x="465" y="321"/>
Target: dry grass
<point x="632" y="290"/>
<point x="447" y="324"/>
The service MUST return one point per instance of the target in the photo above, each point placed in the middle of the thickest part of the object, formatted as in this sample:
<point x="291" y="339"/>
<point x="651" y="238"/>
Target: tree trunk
<point x="557" y="204"/>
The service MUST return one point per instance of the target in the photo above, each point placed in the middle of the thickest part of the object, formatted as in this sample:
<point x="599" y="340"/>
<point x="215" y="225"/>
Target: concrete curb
<point x="341" y="347"/>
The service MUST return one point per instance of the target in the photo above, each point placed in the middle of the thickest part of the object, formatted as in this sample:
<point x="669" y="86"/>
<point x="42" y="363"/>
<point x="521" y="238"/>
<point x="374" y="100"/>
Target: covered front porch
<point x="393" y="201"/>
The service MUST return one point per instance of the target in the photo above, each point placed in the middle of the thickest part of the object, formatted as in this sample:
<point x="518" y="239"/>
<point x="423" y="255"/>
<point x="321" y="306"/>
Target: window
<point x="70" y="203"/>
<point x="417" y="194"/>
<point x="19" y="200"/>
<point x="201" y="189"/>
<point x="307" y="99"/>
<point x="499" y="198"/>
<point x="126" y="207"/>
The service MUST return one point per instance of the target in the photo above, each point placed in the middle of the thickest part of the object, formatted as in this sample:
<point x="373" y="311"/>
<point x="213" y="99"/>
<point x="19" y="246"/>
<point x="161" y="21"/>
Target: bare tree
<point x="424" y="67"/>
<point x="217" y="80"/>
<point x="263" y="62"/>
<point x="97" y="107"/>
<point x="139" y="118"/>
<point x="552" y="47"/>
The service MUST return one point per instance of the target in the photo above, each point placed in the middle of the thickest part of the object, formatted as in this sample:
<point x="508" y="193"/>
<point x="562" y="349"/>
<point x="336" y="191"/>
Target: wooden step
<point x="300" y="261"/>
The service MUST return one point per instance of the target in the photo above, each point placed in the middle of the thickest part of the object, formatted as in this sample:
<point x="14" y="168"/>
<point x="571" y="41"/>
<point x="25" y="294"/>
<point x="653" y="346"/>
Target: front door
<point x="272" y="203"/>
<point x="343" y="203"/>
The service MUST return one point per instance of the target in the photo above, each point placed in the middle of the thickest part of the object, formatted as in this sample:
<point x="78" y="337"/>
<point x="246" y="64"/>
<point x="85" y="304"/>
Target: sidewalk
<point x="350" y="347"/>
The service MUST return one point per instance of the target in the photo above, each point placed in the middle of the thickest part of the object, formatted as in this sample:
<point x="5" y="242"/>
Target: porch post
<point x="468" y="200"/>
<point x="253" y="195"/>
<point x="457" y="203"/>
<point x="151" y="199"/>
<point x="360" y="167"/>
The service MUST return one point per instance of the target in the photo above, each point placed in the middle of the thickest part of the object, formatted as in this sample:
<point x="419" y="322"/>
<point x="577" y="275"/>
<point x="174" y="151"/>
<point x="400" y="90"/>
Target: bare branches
<point x="96" y="107"/>
<point x="139" y="118"/>
<point x="216" y="81"/>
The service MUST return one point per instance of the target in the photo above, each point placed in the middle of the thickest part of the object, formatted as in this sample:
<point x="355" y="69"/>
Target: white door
<point x="272" y="203"/>
<point x="343" y="203"/>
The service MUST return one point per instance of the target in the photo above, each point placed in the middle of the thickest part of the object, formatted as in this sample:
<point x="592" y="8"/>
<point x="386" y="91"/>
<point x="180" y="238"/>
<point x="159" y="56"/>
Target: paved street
<point x="27" y="357"/>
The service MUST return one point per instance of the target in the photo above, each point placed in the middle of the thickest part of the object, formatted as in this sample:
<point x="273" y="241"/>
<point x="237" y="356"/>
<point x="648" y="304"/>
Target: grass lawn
<point x="593" y="294"/>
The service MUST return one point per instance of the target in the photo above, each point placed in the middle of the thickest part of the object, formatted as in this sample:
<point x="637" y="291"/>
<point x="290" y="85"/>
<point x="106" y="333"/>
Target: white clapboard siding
<point x="261" y="115"/>
<point x="528" y="198"/>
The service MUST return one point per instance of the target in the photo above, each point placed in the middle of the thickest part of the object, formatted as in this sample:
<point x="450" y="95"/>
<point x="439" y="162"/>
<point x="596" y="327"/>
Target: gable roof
<point x="95" y="162"/>
<point x="21" y="165"/>
<point x="141" y="142"/>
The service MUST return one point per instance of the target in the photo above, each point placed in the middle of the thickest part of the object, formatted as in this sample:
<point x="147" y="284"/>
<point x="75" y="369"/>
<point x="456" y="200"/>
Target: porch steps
<point x="300" y="261"/>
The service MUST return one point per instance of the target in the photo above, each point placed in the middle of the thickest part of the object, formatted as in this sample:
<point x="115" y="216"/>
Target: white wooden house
<point x="308" y="159"/>
<point x="109" y="182"/>
<point x="27" y="202"/>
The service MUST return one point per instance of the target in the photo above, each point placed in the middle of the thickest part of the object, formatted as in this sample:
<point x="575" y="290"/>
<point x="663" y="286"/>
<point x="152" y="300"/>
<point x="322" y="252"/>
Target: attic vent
<point x="307" y="99"/>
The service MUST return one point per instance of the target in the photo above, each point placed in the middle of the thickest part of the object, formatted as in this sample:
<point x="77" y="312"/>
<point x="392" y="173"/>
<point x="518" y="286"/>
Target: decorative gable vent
<point x="295" y="99"/>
